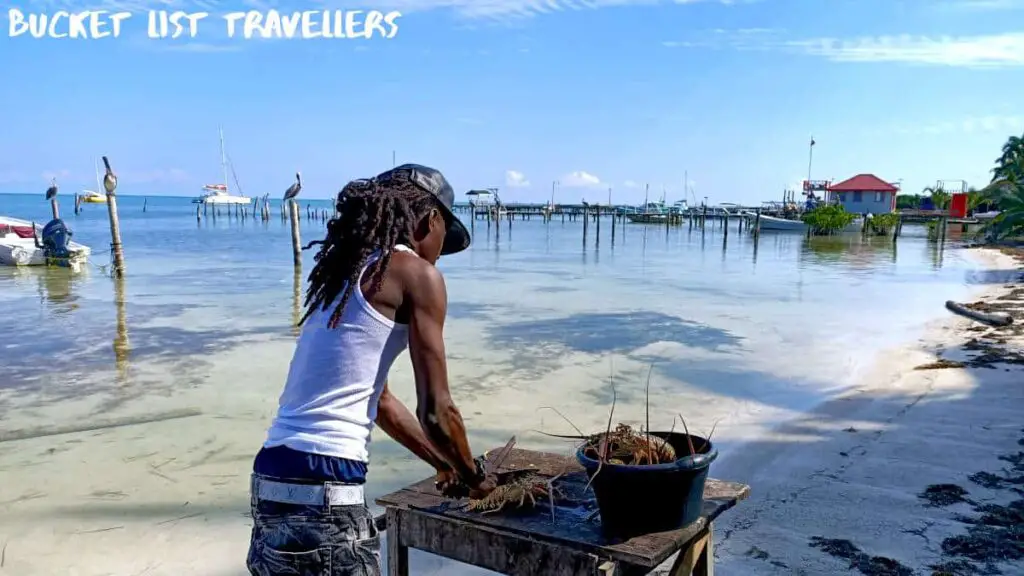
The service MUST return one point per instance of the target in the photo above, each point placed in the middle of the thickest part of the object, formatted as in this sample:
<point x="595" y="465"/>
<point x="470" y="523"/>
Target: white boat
<point x="785" y="224"/>
<point x="219" y="193"/>
<point x="21" y="245"/>
<point x="986" y="215"/>
<point x="93" y="197"/>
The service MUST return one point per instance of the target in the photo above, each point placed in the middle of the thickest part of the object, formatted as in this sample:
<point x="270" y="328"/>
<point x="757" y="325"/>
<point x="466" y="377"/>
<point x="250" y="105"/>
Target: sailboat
<point x="219" y="193"/>
<point x="92" y="196"/>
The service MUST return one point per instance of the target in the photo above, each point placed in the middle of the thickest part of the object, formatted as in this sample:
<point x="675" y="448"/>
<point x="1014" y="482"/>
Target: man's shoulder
<point x="415" y="271"/>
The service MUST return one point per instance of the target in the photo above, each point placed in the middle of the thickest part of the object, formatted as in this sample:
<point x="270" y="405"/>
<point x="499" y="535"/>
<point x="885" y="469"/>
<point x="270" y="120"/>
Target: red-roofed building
<point x="865" y="193"/>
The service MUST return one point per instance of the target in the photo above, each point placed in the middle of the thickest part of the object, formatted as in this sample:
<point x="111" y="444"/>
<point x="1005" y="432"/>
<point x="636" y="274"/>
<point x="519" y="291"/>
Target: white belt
<point x="326" y="494"/>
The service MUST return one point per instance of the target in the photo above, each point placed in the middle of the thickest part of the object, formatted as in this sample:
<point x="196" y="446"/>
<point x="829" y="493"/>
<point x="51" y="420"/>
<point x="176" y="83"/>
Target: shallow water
<point x="740" y="333"/>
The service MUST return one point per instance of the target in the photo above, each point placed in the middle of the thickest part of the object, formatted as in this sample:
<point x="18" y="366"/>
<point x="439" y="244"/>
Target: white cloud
<point x="580" y="179"/>
<point x="969" y="125"/>
<point x="996" y="50"/>
<point x="516" y="179"/>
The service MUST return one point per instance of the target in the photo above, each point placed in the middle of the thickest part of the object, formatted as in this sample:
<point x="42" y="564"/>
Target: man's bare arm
<point x="399" y="423"/>
<point x="437" y="413"/>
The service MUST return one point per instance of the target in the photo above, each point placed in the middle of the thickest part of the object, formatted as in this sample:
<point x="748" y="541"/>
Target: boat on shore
<point x="23" y="243"/>
<point x="219" y="193"/>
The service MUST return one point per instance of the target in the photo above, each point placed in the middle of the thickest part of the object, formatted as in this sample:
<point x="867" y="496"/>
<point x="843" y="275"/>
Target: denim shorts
<point x="300" y="540"/>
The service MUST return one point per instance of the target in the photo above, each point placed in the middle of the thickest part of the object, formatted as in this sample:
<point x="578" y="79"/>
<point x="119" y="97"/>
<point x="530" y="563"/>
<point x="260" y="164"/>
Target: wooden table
<point x="531" y="544"/>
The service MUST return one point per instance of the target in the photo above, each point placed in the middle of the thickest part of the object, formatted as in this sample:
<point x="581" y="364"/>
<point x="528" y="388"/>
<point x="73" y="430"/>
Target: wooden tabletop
<point x="570" y="527"/>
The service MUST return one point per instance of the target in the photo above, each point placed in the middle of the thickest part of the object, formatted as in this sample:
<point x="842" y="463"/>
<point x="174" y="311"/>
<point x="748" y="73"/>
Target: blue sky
<point x="520" y="93"/>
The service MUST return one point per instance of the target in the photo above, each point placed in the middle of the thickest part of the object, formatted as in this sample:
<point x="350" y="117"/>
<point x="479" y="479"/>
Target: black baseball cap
<point x="431" y="181"/>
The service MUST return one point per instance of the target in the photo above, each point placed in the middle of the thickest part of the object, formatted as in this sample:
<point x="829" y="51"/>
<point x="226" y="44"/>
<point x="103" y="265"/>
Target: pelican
<point x="294" y="189"/>
<point x="51" y="192"/>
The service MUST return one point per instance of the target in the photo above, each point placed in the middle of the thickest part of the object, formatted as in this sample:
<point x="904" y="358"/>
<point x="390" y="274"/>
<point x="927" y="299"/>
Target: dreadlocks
<point x="370" y="217"/>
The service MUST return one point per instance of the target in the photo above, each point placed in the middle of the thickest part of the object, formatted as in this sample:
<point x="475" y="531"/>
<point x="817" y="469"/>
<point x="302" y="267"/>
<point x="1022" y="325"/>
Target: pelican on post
<point x="294" y="189"/>
<point x="51" y="195"/>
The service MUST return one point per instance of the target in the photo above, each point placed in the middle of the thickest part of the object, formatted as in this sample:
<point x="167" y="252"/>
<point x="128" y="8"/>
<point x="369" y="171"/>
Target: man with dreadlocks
<point x="373" y="291"/>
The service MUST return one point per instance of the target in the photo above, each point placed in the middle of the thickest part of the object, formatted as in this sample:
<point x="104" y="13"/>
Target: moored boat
<point x="23" y="243"/>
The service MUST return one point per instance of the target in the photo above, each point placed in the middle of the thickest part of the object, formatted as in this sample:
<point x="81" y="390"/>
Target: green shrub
<point x="828" y="219"/>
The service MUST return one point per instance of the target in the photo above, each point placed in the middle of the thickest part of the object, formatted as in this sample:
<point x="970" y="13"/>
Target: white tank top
<point x="336" y="377"/>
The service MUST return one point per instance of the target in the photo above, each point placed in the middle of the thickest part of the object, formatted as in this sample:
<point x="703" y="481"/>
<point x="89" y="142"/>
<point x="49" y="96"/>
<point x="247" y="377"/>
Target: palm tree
<point x="940" y="198"/>
<point x="1007" y="193"/>
<point x="1009" y="160"/>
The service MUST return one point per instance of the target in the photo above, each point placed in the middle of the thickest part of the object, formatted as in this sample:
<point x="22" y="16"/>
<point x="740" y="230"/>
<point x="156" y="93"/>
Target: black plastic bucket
<point x="638" y="500"/>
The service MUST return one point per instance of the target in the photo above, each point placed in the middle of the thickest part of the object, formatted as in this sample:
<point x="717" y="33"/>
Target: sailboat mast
<point x="96" y="166"/>
<point x="223" y="159"/>
<point x="647" y="190"/>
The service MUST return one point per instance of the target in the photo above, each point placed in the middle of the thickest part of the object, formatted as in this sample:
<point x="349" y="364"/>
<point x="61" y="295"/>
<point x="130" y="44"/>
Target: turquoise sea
<point x="746" y="334"/>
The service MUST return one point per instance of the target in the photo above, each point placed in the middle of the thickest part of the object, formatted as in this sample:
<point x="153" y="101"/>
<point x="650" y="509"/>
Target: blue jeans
<point x="301" y="540"/>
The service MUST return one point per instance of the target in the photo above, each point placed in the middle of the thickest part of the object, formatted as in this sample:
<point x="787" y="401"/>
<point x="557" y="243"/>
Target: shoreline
<point x="876" y="456"/>
<point x="181" y="486"/>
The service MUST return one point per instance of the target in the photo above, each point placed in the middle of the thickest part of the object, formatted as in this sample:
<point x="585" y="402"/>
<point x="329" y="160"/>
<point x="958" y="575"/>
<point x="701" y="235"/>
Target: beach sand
<point x="853" y="470"/>
<point x="171" y="496"/>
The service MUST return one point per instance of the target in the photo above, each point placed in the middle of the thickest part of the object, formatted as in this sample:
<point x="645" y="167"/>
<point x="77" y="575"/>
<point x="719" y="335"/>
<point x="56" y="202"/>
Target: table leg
<point x="695" y="559"/>
<point x="398" y="555"/>
<point x="706" y="561"/>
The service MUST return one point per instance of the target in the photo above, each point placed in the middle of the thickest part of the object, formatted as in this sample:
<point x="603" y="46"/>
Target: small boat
<point x="218" y="193"/>
<point x="22" y="243"/>
<point x="93" y="197"/>
<point x="775" y="223"/>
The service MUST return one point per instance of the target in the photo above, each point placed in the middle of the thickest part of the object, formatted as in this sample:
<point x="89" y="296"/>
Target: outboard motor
<point x="56" y="241"/>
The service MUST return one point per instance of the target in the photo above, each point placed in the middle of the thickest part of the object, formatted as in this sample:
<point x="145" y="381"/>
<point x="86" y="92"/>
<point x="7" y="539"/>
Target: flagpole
<point x="810" y="162"/>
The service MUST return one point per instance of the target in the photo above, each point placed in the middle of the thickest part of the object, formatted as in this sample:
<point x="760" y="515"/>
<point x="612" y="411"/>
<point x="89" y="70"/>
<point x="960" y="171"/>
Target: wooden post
<point x="54" y="208"/>
<point x="296" y="238"/>
<point x="614" y="215"/>
<point x="199" y="215"/>
<point x="597" y="227"/>
<point x="585" y="226"/>
<point x="725" y="225"/>
<point x="296" y="298"/>
<point x="121" y="344"/>
<point x="78" y="203"/>
<point x="757" y="224"/>
<point x="110" y="185"/>
<point x="145" y="202"/>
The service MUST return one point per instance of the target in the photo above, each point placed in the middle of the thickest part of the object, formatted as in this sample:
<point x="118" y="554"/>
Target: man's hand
<point x="484" y="488"/>
<point x="448" y="484"/>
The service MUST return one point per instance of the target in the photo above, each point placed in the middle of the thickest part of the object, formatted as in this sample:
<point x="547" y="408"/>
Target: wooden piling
<point x="54" y="208"/>
<point x="78" y="204"/>
<point x="597" y="226"/>
<point x="585" y="219"/>
<point x="296" y="238"/>
<point x="117" y="251"/>
<point x="145" y="203"/>
<point x="121" y="343"/>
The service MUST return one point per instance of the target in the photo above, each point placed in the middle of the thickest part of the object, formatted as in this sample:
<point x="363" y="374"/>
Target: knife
<point x="491" y="465"/>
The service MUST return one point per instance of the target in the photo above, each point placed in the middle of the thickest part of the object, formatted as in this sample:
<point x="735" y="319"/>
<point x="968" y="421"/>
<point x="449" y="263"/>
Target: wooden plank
<point x="486" y="547"/>
<point x="398" y="553"/>
<point x="569" y="528"/>
<point x="688" y="558"/>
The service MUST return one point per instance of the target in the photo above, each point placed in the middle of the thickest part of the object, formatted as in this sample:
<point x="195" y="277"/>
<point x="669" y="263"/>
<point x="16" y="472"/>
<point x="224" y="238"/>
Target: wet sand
<point x="128" y="496"/>
<point x="894" y="477"/>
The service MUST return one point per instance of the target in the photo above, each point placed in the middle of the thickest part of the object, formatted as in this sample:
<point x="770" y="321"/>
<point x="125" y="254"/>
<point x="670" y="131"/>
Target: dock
<point x="537" y="543"/>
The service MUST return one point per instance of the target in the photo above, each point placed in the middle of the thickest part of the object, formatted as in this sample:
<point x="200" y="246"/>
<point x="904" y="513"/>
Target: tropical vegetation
<point x="828" y="219"/>
<point x="1006" y="192"/>
<point x="883" y="224"/>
